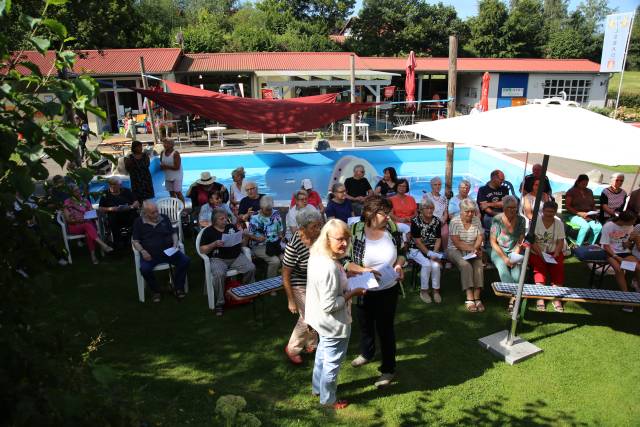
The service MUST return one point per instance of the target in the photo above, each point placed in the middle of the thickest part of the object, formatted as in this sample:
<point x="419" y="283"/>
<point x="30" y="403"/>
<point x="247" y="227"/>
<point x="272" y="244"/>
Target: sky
<point x="467" y="8"/>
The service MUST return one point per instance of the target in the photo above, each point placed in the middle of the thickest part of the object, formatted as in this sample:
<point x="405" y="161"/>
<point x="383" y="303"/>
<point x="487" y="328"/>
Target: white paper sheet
<point x="170" y="251"/>
<point x="232" y="239"/>
<point x="432" y="254"/>
<point x="628" y="265"/>
<point x="365" y="280"/>
<point x="516" y="258"/>
<point x="387" y="275"/>
<point x="549" y="259"/>
<point x="472" y="255"/>
<point x="92" y="214"/>
<point x="352" y="220"/>
<point x="403" y="228"/>
<point x="593" y="213"/>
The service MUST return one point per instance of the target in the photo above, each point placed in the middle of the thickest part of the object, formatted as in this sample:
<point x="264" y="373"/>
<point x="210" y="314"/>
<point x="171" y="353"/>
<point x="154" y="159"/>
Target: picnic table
<point x="115" y="145"/>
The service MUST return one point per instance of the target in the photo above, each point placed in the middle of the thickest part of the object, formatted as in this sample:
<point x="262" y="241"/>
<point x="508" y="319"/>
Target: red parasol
<point x="484" y="97"/>
<point x="410" y="81"/>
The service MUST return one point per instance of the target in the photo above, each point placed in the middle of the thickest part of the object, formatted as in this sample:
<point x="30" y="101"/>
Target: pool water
<point x="278" y="174"/>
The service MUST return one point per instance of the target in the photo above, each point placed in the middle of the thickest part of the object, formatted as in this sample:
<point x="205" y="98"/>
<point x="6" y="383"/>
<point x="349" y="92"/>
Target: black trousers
<point x="376" y="312"/>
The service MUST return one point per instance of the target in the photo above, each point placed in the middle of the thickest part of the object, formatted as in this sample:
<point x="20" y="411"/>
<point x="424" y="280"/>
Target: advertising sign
<point x="616" y="33"/>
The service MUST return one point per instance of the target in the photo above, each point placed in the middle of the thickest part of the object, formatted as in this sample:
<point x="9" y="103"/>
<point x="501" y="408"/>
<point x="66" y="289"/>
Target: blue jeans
<point x="507" y="275"/>
<point x="329" y="354"/>
<point x="179" y="260"/>
<point x="585" y="226"/>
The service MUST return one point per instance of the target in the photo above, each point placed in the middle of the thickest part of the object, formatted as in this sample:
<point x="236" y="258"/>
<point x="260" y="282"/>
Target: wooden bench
<point x="251" y="291"/>
<point x="594" y="296"/>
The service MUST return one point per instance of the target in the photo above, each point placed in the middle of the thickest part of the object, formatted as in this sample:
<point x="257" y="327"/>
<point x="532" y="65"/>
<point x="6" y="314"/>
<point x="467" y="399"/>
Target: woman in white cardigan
<point x="328" y="308"/>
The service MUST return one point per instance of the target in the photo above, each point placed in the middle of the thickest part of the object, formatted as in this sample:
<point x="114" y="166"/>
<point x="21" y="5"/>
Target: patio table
<point x="217" y="129"/>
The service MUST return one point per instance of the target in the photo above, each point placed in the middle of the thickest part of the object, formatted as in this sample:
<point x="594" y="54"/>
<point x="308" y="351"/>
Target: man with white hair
<point x="157" y="241"/>
<point x="121" y="208"/>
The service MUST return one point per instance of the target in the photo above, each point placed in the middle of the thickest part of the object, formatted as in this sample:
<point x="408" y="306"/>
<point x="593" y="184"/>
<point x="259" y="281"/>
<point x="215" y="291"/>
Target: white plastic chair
<point x="172" y="207"/>
<point x="208" y="277"/>
<point x="68" y="237"/>
<point x="159" y="267"/>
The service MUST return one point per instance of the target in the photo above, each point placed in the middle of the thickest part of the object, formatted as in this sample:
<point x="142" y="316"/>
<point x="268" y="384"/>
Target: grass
<point x="621" y="168"/>
<point x="175" y="359"/>
<point x="630" y="83"/>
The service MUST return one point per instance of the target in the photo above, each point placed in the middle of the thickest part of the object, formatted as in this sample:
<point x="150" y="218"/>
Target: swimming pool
<point x="278" y="174"/>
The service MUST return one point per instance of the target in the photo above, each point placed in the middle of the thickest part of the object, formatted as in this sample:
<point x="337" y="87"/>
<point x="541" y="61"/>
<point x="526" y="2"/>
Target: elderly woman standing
<point x="425" y="244"/>
<point x="171" y="164"/>
<point x="612" y="198"/>
<point x="377" y="246"/>
<point x="137" y="164"/>
<point x="294" y="279"/>
<point x="265" y="228"/>
<point x="465" y="252"/>
<point x="223" y="258"/>
<point x="506" y="237"/>
<point x="328" y="308"/>
<point x="580" y="205"/>
<point x="75" y="208"/>
<point x="441" y="207"/>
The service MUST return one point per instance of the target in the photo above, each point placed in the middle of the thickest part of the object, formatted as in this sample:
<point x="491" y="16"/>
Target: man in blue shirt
<point x="490" y="198"/>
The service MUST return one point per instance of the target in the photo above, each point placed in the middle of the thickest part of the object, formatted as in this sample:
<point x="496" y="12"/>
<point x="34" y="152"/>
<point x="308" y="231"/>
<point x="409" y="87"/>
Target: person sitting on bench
<point x="616" y="242"/>
<point x="612" y="198"/>
<point x="549" y="239"/>
<point x="581" y="205"/>
<point x="490" y="198"/>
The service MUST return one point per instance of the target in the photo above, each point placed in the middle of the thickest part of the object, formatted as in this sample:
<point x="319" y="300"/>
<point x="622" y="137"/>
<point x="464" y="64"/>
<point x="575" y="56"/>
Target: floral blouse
<point x="77" y="208"/>
<point x="269" y="227"/>
<point x="507" y="241"/>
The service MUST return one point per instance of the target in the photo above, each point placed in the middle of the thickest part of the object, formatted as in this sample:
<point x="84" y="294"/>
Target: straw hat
<point x="206" y="178"/>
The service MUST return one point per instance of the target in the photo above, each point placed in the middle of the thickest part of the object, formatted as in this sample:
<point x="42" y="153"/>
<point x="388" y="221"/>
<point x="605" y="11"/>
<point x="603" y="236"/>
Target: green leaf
<point x="56" y="2"/>
<point x="104" y="374"/>
<point x="20" y="177"/>
<point x="69" y="39"/>
<point x="35" y="70"/>
<point x="56" y="27"/>
<point x="96" y="110"/>
<point x="5" y="7"/>
<point x="41" y="44"/>
<point x="84" y="86"/>
<point x="68" y="58"/>
<point x="58" y="154"/>
<point x="33" y="21"/>
<point x="67" y="138"/>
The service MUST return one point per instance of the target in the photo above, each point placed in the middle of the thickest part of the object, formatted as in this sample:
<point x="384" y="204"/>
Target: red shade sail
<point x="410" y="81"/>
<point x="484" y="96"/>
<point x="257" y="115"/>
<point x="182" y="89"/>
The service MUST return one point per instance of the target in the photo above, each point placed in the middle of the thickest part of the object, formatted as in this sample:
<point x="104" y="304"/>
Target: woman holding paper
<point x="546" y="257"/>
<point x="79" y="215"/>
<point x="294" y="280"/>
<point x="465" y="252"/>
<point x="506" y="237"/>
<point x="581" y="207"/>
<point x="223" y="244"/>
<point x="328" y="308"/>
<point x="617" y="244"/>
<point x="377" y="246"/>
<point x="425" y="250"/>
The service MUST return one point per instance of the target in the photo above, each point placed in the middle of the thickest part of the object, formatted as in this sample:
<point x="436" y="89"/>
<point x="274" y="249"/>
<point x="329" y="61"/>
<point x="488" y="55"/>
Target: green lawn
<point x="621" y="168"/>
<point x="175" y="359"/>
<point x="630" y="83"/>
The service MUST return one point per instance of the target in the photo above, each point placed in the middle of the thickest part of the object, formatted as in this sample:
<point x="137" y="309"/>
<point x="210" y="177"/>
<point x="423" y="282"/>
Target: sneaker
<point x="359" y="361"/>
<point x="63" y="262"/>
<point x="384" y="380"/>
<point x="424" y="296"/>
<point x="155" y="298"/>
<point x="627" y="309"/>
<point x="437" y="298"/>
<point x="293" y="358"/>
<point x="219" y="311"/>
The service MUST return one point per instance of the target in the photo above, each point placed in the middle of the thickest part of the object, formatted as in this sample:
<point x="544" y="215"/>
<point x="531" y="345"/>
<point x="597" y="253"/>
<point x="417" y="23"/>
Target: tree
<point x="633" y="56"/>
<point x="161" y="20"/>
<point x="42" y="381"/>
<point x="488" y="38"/>
<point x="331" y="13"/>
<point x="207" y="34"/>
<point x="524" y="30"/>
<point x="594" y="13"/>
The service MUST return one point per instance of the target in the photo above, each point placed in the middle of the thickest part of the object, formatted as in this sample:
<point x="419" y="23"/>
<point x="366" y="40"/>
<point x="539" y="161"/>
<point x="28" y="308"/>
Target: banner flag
<point x="617" y="29"/>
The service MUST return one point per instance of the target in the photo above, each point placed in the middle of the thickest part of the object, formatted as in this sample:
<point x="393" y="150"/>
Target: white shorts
<point x="175" y="185"/>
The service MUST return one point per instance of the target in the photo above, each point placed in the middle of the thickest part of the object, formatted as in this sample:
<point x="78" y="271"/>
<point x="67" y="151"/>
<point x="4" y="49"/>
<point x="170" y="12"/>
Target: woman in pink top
<point x="404" y="205"/>
<point x="74" y="210"/>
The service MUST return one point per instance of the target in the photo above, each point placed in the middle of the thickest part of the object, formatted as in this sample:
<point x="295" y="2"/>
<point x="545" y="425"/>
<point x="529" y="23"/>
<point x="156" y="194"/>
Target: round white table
<point x="217" y="129"/>
<point x="362" y="127"/>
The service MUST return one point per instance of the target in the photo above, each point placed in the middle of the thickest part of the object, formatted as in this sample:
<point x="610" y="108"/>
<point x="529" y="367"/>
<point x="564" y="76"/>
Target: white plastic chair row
<point x="173" y="208"/>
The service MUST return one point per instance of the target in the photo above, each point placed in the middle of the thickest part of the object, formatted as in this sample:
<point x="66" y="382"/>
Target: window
<point x="576" y="89"/>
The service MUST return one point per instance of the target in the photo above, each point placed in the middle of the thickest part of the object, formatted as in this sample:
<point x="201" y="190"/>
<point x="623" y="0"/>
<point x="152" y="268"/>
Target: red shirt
<point x="313" y="199"/>
<point x="405" y="207"/>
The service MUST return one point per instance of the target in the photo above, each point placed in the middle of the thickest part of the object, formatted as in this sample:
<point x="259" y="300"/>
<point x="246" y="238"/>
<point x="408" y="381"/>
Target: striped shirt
<point x="614" y="200"/>
<point x="456" y="228"/>
<point x="296" y="257"/>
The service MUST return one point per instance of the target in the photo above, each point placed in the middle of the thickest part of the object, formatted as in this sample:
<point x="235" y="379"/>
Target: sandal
<point x="512" y="303"/>
<point x="471" y="306"/>
<point x="479" y="306"/>
<point x="557" y="306"/>
<point x="541" y="306"/>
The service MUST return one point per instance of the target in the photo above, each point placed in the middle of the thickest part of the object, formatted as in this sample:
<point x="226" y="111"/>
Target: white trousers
<point x="429" y="268"/>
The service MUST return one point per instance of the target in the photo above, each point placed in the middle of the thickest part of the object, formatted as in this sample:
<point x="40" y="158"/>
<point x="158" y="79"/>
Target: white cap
<point x="307" y="184"/>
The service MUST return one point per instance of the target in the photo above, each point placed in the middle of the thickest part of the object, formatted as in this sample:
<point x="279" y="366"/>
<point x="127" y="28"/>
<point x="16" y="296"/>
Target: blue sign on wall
<point x="511" y="85"/>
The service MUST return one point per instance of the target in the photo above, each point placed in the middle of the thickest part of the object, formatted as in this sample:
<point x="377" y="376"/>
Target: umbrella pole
<point x="530" y="239"/>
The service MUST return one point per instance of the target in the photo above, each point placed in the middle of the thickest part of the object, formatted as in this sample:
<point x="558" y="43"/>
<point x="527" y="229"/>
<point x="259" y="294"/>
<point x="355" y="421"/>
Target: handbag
<point x="273" y="248"/>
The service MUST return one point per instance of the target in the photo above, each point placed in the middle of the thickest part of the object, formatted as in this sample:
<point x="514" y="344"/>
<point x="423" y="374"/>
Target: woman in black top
<point x="137" y="164"/>
<point x="294" y="280"/>
<point x="387" y="185"/>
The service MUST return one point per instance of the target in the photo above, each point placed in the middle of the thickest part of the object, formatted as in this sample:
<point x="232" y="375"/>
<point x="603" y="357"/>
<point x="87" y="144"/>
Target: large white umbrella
<point x="549" y="129"/>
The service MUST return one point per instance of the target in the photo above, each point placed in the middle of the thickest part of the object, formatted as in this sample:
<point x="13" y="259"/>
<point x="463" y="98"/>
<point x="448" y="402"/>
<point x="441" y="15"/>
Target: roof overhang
<point x="346" y="74"/>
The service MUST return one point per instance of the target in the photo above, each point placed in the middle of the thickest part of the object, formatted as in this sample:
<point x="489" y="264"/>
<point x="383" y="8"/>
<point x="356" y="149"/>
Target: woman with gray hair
<point x="612" y="198"/>
<point x="294" y="280"/>
<point x="301" y="198"/>
<point x="463" y="193"/>
<point x="266" y="233"/>
<point x="465" y="252"/>
<point x="440" y="204"/>
<point x="424" y="250"/>
<point x="506" y="237"/>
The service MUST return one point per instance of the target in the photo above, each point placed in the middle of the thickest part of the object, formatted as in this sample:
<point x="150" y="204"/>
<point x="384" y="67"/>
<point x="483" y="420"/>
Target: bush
<point x="605" y="111"/>
<point x="631" y="100"/>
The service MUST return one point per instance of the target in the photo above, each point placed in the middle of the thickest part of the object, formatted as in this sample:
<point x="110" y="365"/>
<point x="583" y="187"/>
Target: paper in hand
<point x="593" y="213"/>
<point x="232" y="239"/>
<point x="92" y="214"/>
<point x="365" y="280"/>
<point x="432" y="254"/>
<point x="387" y="275"/>
<point x="628" y="265"/>
<point x="469" y="256"/>
<point x="516" y="258"/>
<point x="352" y="220"/>
<point x="549" y="259"/>
<point x="170" y="251"/>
